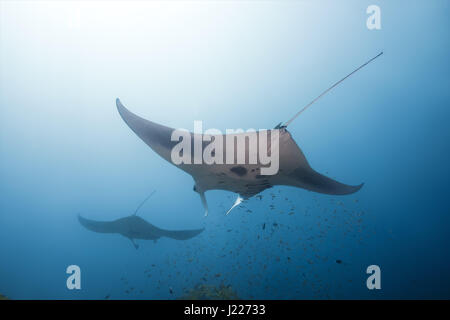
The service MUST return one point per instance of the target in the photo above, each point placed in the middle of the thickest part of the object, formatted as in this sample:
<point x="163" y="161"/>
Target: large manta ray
<point x="243" y="179"/>
<point x="134" y="227"/>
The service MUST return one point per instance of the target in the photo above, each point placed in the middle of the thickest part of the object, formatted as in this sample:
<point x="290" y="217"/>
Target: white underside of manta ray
<point x="243" y="179"/>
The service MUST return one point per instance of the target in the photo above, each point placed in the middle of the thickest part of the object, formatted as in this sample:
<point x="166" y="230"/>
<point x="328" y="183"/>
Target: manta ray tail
<point x="142" y="203"/>
<point x="325" y="92"/>
<point x="182" y="234"/>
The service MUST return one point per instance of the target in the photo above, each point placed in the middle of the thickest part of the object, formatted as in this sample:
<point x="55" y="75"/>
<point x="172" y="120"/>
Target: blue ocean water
<point x="251" y="64"/>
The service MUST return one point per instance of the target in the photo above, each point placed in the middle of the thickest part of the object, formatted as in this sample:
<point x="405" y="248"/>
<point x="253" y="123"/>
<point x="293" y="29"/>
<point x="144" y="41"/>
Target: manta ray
<point x="134" y="227"/>
<point x="244" y="179"/>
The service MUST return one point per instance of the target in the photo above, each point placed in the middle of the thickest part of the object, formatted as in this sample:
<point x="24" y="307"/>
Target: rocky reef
<point x="2" y="297"/>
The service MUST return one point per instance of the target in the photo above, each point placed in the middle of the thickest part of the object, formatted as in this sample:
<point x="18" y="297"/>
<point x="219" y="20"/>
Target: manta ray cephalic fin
<point x="204" y="203"/>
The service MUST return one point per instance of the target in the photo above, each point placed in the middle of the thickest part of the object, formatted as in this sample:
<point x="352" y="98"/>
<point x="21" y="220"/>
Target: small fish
<point x="170" y="290"/>
<point x="264" y="226"/>
<point x="338" y="261"/>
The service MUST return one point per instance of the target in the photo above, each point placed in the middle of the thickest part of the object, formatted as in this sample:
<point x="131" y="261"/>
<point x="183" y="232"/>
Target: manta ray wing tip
<point x="123" y="112"/>
<point x="119" y="103"/>
<point x="358" y="187"/>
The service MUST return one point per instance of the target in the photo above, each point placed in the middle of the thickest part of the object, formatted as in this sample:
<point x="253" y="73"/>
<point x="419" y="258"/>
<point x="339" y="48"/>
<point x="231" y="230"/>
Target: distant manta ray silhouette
<point x="245" y="180"/>
<point x="134" y="227"/>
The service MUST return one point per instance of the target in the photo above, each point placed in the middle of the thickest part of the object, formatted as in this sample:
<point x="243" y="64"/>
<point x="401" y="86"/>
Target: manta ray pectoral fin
<point x="97" y="226"/>
<point x="311" y="180"/>
<point x="182" y="234"/>
<point x="156" y="136"/>
<point x="238" y="201"/>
